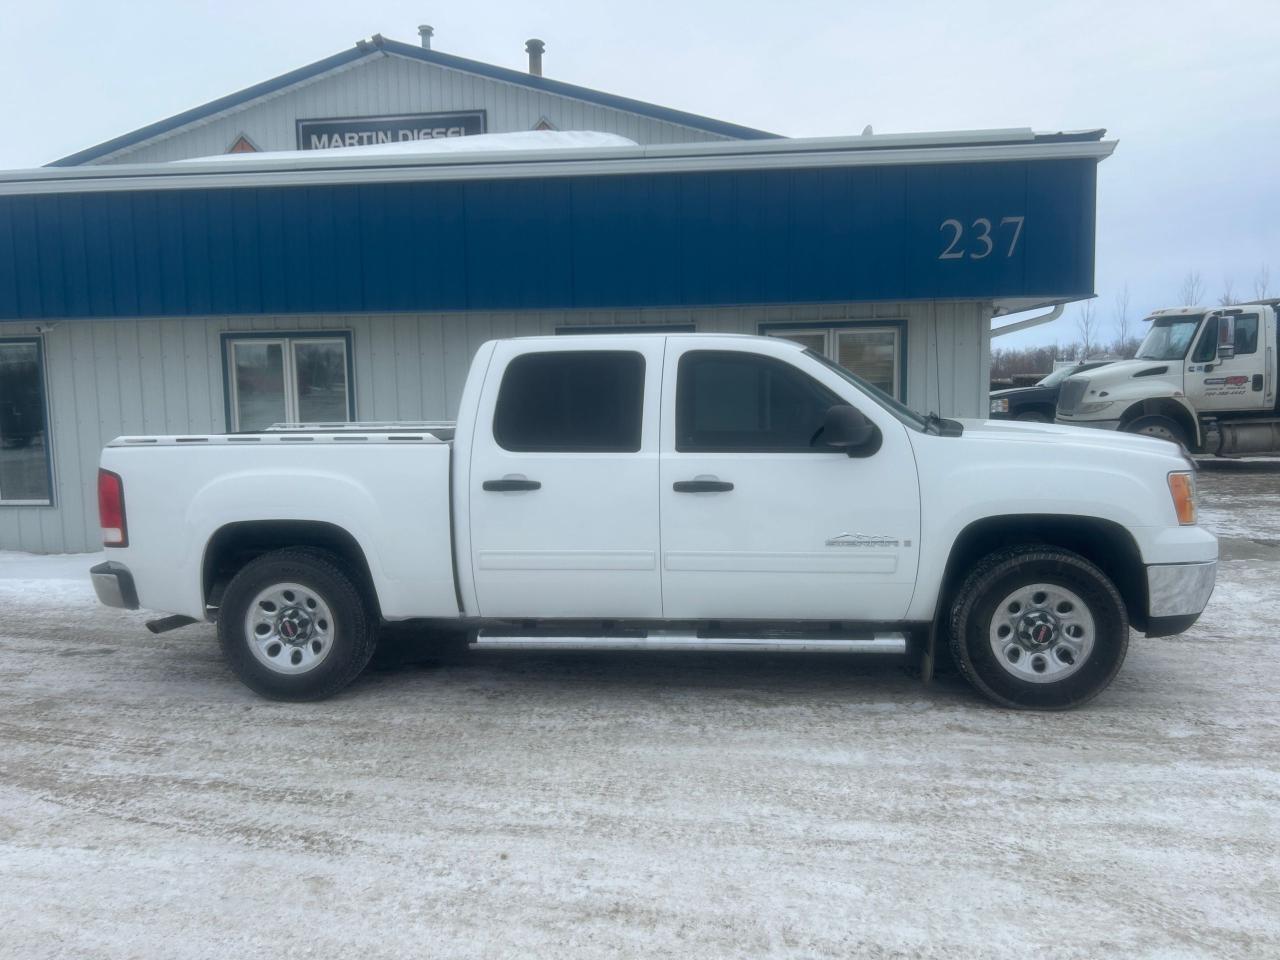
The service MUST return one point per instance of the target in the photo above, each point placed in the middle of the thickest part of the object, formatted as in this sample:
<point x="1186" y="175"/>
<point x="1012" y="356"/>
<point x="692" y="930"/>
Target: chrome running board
<point x="891" y="643"/>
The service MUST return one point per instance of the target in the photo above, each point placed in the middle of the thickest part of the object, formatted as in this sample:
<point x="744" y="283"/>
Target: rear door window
<point x="571" y="401"/>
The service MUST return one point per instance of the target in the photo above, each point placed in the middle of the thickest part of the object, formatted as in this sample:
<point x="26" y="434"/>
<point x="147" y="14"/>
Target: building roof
<point x="380" y="46"/>
<point x="346" y="165"/>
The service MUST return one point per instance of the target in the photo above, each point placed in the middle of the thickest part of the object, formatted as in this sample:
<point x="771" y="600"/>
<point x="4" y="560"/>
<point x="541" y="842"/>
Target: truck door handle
<point x="702" y="486"/>
<point x="511" y="483"/>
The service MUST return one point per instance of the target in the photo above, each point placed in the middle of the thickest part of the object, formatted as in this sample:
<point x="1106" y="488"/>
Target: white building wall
<point x="106" y="378"/>
<point x="390" y="84"/>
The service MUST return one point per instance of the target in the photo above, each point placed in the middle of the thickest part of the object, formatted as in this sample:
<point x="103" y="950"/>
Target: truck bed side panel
<point x="392" y="498"/>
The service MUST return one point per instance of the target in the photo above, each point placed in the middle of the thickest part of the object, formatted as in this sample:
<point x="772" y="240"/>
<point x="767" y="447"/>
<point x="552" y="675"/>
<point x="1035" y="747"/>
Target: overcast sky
<point x="1190" y="90"/>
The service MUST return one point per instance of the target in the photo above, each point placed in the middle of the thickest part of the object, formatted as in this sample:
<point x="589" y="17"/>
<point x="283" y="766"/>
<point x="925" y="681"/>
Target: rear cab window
<point x="571" y="401"/>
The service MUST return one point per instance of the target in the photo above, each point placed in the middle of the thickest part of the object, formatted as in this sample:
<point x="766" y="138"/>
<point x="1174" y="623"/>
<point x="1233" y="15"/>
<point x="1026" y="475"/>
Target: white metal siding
<point x="388" y="84"/>
<point x="113" y="377"/>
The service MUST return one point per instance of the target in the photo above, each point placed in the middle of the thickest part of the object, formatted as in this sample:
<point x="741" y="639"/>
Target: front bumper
<point x="113" y="583"/>
<point x="1096" y="424"/>
<point x="1177" y="594"/>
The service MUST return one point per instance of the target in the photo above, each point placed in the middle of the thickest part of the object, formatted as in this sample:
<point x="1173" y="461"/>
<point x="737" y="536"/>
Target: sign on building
<point x="323" y="133"/>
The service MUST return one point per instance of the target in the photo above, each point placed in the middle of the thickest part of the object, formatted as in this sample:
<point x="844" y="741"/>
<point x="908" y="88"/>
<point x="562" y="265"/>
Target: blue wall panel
<point x="1012" y="229"/>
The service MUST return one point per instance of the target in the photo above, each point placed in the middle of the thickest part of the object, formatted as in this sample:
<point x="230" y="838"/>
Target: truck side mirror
<point x="1226" y="337"/>
<point x="846" y="428"/>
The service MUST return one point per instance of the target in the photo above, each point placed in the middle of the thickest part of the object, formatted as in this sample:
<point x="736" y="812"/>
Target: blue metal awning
<point x="773" y="222"/>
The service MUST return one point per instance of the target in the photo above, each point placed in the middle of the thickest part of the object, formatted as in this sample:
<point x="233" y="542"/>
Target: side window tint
<point x="728" y="401"/>
<point x="1207" y="346"/>
<point x="1246" y="334"/>
<point x="587" y="400"/>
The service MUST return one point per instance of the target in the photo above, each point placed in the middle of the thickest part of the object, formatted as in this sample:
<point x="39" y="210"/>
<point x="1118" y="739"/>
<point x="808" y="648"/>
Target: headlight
<point x="1000" y="406"/>
<point x="1096" y="407"/>
<point x="1182" y="487"/>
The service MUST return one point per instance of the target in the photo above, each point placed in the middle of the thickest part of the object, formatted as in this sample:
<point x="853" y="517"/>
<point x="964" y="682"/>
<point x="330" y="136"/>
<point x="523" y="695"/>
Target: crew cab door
<point x="758" y="522"/>
<point x="1217" y="383"/>
<point x="563" y="483"/>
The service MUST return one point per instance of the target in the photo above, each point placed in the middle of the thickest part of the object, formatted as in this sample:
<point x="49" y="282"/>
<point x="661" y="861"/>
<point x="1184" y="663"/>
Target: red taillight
<point x="115" y="532"/>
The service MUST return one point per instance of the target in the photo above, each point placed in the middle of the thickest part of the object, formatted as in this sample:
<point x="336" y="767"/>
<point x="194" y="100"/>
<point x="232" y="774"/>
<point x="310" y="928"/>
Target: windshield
<point x="899" y="410"/>
<point x="1055" y="378"/>
<point x="1169" y="337"/>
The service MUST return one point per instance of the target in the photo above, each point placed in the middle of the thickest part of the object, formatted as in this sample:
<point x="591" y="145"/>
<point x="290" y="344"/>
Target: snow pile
<point x="526" y="140"/>
<point x="60" y="566"/>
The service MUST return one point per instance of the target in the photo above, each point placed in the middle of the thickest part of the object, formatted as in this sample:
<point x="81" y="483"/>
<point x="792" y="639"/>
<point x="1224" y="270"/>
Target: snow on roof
<point x="524" y="140"/>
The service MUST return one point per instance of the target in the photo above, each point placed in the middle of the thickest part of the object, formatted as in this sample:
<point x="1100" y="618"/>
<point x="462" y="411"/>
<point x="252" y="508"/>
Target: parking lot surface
<point x="522" y="805"/>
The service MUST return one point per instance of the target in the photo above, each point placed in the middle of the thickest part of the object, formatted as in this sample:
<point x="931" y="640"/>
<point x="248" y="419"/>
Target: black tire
<point x="1035" y="416"/>
<point x="1162" y="428"/>
<point x="1004" y="573"/>
<point x="350" y="639"/>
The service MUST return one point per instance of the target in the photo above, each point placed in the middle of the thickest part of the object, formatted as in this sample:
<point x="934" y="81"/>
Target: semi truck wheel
<point x="1162" y="428"/>
<point x="1039" y="628"/>
<point x="294" y="626"/>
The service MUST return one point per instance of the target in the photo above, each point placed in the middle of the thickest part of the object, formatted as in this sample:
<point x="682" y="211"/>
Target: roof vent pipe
<point x="534" y="48"/>
<point x="425" y="31"/>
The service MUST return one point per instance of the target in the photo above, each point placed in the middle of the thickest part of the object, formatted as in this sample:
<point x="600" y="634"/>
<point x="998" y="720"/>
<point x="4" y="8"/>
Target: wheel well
<point x="1163" y="407"/>
<point x="236" y="544"/>
<point x="1106" y="544"/>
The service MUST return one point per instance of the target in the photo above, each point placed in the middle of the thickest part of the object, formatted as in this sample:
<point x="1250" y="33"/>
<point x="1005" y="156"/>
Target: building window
<point x="872" y="350"/>
<point x="571" y="401"/>
<point x="296" y="378"/>
<point x="26" y="475"/>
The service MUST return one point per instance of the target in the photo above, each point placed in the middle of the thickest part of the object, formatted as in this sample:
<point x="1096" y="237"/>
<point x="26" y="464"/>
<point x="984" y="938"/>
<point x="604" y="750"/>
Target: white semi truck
<point x="1204" y="377"/>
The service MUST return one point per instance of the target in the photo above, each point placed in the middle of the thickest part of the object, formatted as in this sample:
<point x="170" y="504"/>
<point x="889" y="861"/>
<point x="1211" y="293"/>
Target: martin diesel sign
<point x="321" y="134"/>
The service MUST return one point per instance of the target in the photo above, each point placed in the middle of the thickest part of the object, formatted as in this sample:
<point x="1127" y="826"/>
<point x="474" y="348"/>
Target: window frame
<point x="831" y="330"/>
<point x="1208" y="339"/>
<point x="498" y="440"/>
<point x="677" y="439"/>
<point x="43" y="375"/>
<point x="287" y="339"/>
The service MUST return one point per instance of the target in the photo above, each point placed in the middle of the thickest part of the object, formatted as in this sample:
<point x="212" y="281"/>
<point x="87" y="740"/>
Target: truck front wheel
<point x="1162" y="428"/>
<point x="1038" y="627"/>
<point x="294" y="626"/>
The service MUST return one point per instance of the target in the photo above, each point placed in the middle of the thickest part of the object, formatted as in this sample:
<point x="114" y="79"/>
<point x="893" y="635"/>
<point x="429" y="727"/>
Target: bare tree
<point x="1087" y="325"/>
<point x="1261" y="282"/>
<point x="1192" y="290"/>
<point x="1122" y="320"/>
<point x="1228" y="292"/>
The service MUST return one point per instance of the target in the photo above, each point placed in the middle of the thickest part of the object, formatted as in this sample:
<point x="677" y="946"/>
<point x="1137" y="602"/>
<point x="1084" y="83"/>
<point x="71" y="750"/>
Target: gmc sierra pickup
<point x="665" y="492"/>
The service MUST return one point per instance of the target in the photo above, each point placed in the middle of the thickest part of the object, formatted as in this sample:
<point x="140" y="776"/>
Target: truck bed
<point x="390" y="491"/>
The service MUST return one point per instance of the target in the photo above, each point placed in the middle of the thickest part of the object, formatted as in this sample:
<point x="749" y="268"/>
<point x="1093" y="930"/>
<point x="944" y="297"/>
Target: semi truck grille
<point x="1070" y="395"/>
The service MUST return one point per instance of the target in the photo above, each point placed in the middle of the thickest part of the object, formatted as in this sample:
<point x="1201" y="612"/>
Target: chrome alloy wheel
<point x="1042" y="632"/>
<point x="290" y="628"/>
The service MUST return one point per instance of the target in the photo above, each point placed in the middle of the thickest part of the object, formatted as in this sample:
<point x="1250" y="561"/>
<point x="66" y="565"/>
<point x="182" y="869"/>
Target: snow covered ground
<point x="508" y="805"/>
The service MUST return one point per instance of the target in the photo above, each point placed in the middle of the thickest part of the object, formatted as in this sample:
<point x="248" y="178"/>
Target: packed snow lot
<point x="507" y="805"/>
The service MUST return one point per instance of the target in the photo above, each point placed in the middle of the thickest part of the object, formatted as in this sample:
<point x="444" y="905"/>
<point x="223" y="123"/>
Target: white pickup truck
<point x="665" y="492"/>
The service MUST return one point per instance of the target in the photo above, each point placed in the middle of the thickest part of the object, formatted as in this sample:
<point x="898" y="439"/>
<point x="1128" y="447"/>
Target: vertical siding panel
<point x="65" y="414"/>
<point x="382" y="354"/>
<point x="408" y="368"/>
<point x="457" y="353"/>
<point x="151" y="358"/>
<point x="435" y="400"/>
<point x="177" y="414"/>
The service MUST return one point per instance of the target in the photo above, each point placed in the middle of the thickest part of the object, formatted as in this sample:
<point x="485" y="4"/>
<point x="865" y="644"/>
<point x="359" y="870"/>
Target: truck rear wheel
<point x="294" y="626"/>
<point x="1039" y="628"/>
